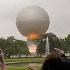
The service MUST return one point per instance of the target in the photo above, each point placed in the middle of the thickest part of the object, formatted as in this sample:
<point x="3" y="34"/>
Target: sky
<point x="58" y="11"/>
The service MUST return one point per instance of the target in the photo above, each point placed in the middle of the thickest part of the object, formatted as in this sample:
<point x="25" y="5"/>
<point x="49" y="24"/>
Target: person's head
<point x="53" y="60"/>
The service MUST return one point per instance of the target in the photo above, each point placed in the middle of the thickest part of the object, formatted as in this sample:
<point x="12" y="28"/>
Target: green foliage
<point x="41" y="47"/>
<point x="60" y="43"/>
<point x="67" y="43"/>
<point x="54" y="42"/>
<point x="21" y="47"/>
<point x="11" y="46"/>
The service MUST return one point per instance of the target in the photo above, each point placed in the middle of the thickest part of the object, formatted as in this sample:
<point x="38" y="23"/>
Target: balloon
<point x="32" y="22"/>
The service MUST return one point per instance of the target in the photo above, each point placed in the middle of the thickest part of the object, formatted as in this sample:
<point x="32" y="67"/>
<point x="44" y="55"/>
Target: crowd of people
<point x="54" y="61"/>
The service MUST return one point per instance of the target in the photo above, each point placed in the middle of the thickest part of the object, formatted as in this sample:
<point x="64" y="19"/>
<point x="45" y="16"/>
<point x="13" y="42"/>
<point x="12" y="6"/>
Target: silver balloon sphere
<point x="32" y="21"/>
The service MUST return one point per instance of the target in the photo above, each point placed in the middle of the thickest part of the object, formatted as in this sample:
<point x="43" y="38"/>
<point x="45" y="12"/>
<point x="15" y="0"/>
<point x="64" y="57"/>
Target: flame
<point x="32" y="48"/>
<point x="32" y="35"/>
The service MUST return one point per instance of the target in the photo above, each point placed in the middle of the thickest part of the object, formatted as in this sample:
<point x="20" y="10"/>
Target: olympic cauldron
<point x="32" y="22"/>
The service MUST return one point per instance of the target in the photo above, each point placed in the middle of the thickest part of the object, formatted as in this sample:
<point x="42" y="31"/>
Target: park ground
<point x="22" y="63"/>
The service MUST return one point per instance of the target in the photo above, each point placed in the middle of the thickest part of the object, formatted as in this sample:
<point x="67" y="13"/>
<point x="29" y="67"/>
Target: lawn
<point x="21" y="63"/>
<point x="25" y="60"/>
<point x="21" y="68"/>
<point x="17" y="68"/>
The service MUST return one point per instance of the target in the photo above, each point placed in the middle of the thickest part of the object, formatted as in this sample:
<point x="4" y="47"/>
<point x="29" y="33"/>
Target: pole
<point x="47" y="46"/>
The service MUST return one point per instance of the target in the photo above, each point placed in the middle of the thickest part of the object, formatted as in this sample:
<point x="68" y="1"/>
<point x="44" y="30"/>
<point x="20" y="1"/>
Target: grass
<point x="17" y="68"/>
<point x="25" y="60"/>
<point x="21" y="68"/>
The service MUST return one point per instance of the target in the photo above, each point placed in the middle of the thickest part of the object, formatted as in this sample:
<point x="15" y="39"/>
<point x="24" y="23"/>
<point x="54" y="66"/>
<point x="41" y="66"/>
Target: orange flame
<point x="32" y="48"/>
<point x="32" y="36"/>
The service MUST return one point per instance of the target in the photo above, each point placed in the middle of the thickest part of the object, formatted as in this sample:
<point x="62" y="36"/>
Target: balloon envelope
<point x="32" y="22"/>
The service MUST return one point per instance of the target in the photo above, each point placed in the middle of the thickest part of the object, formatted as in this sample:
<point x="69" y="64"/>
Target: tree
<point x="41" y="47"/>
<point x="11" y="46"/>
<point x="6" y="46"/>
<point x="63" y="44"/>
<point x="2" y="43"/>
<point x="67" y="42"/>
<point x="53" y="41"/>
<point x="21" y="47"/>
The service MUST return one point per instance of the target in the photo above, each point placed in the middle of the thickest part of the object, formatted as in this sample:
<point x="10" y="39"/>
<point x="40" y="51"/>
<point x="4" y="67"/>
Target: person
<point x="56" y="61"/>
<point x="2" y="62"/>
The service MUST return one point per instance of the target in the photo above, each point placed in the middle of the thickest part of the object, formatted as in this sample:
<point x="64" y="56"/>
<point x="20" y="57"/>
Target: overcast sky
<point x="58" y="11"/>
